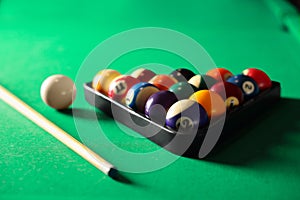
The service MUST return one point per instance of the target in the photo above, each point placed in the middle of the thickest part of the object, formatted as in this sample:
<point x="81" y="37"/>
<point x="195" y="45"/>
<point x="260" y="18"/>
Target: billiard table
<point x="41" y="38"/>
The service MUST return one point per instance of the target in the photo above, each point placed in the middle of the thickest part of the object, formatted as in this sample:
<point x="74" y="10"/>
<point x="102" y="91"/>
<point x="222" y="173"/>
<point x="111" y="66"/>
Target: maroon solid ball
<point x="158" y="104"/>
<point x="231" y="94"/>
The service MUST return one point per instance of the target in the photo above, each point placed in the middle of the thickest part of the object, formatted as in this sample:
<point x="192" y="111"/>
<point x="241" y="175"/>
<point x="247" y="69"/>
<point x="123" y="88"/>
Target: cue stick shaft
<point x="57" y="132"/>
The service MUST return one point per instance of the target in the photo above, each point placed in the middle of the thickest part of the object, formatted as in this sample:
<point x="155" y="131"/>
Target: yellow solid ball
<point x="103" y="78"/>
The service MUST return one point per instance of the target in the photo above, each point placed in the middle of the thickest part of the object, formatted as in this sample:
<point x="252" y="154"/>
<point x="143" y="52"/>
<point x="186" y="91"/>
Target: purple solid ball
<point x="158" y="104"/>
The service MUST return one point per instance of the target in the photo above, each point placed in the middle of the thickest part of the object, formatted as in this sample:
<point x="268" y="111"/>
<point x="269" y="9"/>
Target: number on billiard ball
<point x="138" y="95"/>
<point x="261" y="78"/>
<point x="248" y="85"/>
<point x="186" y="116"/>
<point x="119" y="87"/>
<point x="231" y="94"/>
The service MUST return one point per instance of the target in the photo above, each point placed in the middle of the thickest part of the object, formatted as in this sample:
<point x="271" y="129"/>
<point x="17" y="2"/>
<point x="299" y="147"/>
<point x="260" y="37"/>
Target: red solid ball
<point x="260" y="77"/>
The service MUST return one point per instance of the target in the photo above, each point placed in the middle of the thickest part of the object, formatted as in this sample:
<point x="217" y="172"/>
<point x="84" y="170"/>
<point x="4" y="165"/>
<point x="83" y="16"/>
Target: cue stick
<point x="58" y="133"/>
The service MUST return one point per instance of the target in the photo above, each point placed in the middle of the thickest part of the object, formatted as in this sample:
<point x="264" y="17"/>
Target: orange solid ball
<point x="211" y="101"/>
<point x="220" y="74"/>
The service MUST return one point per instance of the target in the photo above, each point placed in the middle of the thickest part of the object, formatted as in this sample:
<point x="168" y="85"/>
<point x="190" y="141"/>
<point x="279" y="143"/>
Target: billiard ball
<point x="261" y="78"/>
<point x="249" y="87"/>
<point x="102" y="80"/>
<point x="182" y="74"/>
<point x="158" y="104"/>
<point x="138" y="95"/>
<point x="144" y="75"/>
<point x="211" y="101"/>
<point x="202" y="82"/>
<point x="183" y="90"/>
<point x="58" y="91"/>
<point x="120" y="86"/>
<point x="163" y="82"/>
<point x="220" y="74"/>
<point x="231" y="94"/>
<point x="186" y="116"/>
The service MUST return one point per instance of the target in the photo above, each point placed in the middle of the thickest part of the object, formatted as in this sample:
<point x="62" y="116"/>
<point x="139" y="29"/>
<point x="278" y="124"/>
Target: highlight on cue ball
<point x="58" y="91"/>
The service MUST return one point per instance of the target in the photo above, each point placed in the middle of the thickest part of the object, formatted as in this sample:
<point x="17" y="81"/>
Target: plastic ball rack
<point x="237" y="119"/>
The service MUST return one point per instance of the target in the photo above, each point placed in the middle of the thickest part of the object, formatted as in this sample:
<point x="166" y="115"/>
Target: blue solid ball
<point x="248" y="86"/>
<point x="138" y="95"/>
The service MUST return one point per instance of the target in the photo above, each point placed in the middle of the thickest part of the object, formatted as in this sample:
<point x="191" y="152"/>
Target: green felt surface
<point x="40" y="38"/>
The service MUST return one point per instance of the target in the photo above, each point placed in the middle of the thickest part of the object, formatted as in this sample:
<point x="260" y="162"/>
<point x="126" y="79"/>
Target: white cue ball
<point x="58" y="91"/>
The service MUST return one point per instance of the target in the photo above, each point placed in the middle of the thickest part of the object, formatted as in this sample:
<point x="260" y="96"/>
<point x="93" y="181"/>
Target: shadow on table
<point x="257" y="141"/>
<point x="84" y="113"/>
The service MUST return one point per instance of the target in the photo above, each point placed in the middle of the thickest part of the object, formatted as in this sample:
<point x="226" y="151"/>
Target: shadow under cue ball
<point x="58" y="91"/>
